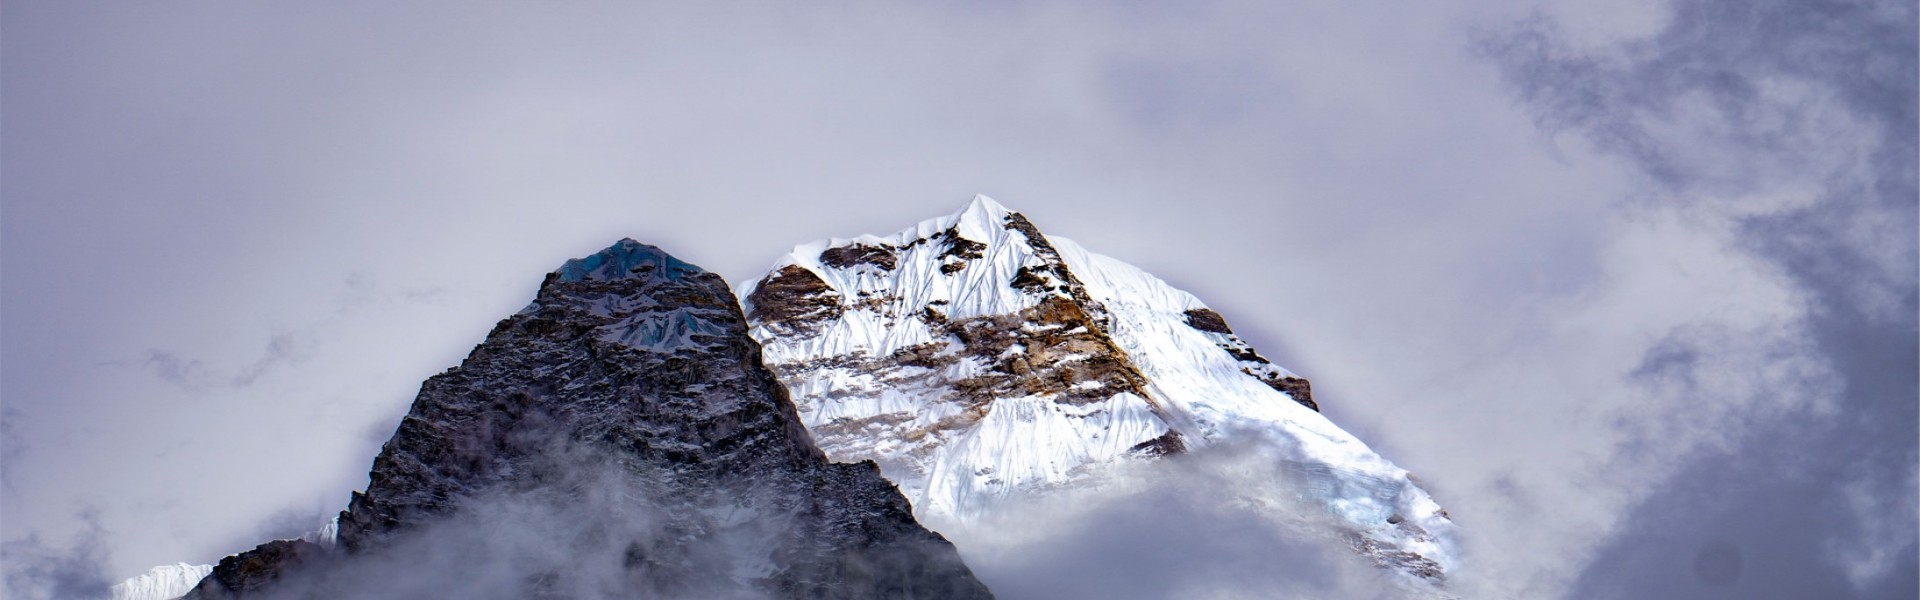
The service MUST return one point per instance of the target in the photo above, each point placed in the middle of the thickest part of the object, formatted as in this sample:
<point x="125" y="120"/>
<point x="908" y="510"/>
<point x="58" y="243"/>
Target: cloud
<point x="582" y="520"/>
<point x="173" y="368"/>
<point x="1226" y="521"/>
<point x="1790" y="125"/>
<point x="193" y="374"/>
<point x="359" y="292"/>
<point x="33" y="570"/>
<point x="294" y="522"/>
<point x="1551" y="340"/>
<point x="594" y="527"/>
<point x="11" y="447"/>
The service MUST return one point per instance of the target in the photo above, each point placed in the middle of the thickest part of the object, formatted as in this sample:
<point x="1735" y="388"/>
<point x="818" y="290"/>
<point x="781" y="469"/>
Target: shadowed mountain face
<point x="617" y="438"/>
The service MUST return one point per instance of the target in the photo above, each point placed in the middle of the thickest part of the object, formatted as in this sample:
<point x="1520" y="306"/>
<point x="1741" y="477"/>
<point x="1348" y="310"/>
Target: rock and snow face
<point x="976" y="359"/>
<point x="164" y="582"/>
<point x="167" y="582"/>
<point x="619" y="437"/>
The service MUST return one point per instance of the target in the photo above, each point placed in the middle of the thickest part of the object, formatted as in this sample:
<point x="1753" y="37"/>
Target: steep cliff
<point x="617" y="438"/>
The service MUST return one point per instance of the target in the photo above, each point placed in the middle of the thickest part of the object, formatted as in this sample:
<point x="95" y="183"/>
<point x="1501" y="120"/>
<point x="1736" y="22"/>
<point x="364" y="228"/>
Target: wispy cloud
<point x="282" y="348"/>
<point x="358" y="292"/>
<point x="36" y="570"/>
<point x="1228" y="521"/>
<point x="12" y="448"/>
<point x="1790" y="124"/>
<point x="1711" y="252"/>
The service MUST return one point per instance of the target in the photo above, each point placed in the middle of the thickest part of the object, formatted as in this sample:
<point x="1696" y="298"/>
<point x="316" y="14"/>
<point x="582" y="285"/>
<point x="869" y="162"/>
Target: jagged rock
<point x="796" y="298"/>
<point x="1205" y="319"/>
<point x="256" y="571"/>
<point x="859" y="254"/>
<point x="1294" y="387"/>
<point x="619" y="437"/>
<point x="1251" y="363"/>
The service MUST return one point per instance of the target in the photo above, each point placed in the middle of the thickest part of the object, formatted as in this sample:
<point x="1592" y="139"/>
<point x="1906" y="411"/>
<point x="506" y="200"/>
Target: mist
<point x="1630" y="285"/>
<point x="1227" y="521"/>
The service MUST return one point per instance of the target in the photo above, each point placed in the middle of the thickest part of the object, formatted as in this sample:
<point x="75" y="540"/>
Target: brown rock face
<point x="859" y="254"/>
<point x="1298" y="388"/>
<point x="1058" y="348"/>
<point x="1063" y="355"/>
<point x="1205" y="319"/>
<point x="1170" y="443"/>
<point x="957" y="251"/>
<point x="795" y="298"/>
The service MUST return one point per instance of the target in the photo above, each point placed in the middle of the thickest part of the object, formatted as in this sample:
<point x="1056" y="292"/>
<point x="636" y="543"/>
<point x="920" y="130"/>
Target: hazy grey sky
<point x="1630" y="285"/>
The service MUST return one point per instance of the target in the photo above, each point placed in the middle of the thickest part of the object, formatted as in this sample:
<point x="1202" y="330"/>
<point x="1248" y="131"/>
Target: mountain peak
<point x="626" y="259"/>
<point x="620" y="435"/>
<point x="984" y="207"/>
<point x="976" y="360"/>
<point x="981" y="219"/>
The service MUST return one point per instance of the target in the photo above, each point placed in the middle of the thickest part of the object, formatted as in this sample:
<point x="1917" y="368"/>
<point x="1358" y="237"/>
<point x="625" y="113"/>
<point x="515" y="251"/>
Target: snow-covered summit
<point x="976" y="359"/>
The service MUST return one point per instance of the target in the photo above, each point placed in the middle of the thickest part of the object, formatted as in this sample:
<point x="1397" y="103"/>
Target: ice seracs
<point x="976" y="359"/>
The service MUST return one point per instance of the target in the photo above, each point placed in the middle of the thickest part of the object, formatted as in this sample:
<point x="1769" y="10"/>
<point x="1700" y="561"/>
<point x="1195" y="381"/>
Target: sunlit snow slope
<point x="164" y="582"/>
<point x="976" y="359"/>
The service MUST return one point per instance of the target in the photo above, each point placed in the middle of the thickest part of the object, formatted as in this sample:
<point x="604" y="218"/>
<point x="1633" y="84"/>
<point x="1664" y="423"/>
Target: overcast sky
<point x="1630" y="285"/>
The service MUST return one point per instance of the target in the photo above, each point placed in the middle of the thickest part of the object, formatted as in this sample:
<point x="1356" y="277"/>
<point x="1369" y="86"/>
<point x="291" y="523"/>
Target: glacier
<point x="979" y="361"/>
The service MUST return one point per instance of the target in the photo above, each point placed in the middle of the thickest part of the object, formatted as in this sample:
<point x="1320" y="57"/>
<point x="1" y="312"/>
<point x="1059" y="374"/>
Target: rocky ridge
<point x="619" y="437"/>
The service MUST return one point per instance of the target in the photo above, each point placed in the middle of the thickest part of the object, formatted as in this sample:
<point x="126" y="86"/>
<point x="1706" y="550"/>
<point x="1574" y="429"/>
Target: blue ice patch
<point x="624" y="259"/>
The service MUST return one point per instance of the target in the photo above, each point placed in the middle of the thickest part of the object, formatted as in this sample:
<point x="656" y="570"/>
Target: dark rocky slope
<point x="618" y="438"/>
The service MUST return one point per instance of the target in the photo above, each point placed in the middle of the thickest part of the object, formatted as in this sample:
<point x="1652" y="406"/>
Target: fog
<point x="1630" y="285"/>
